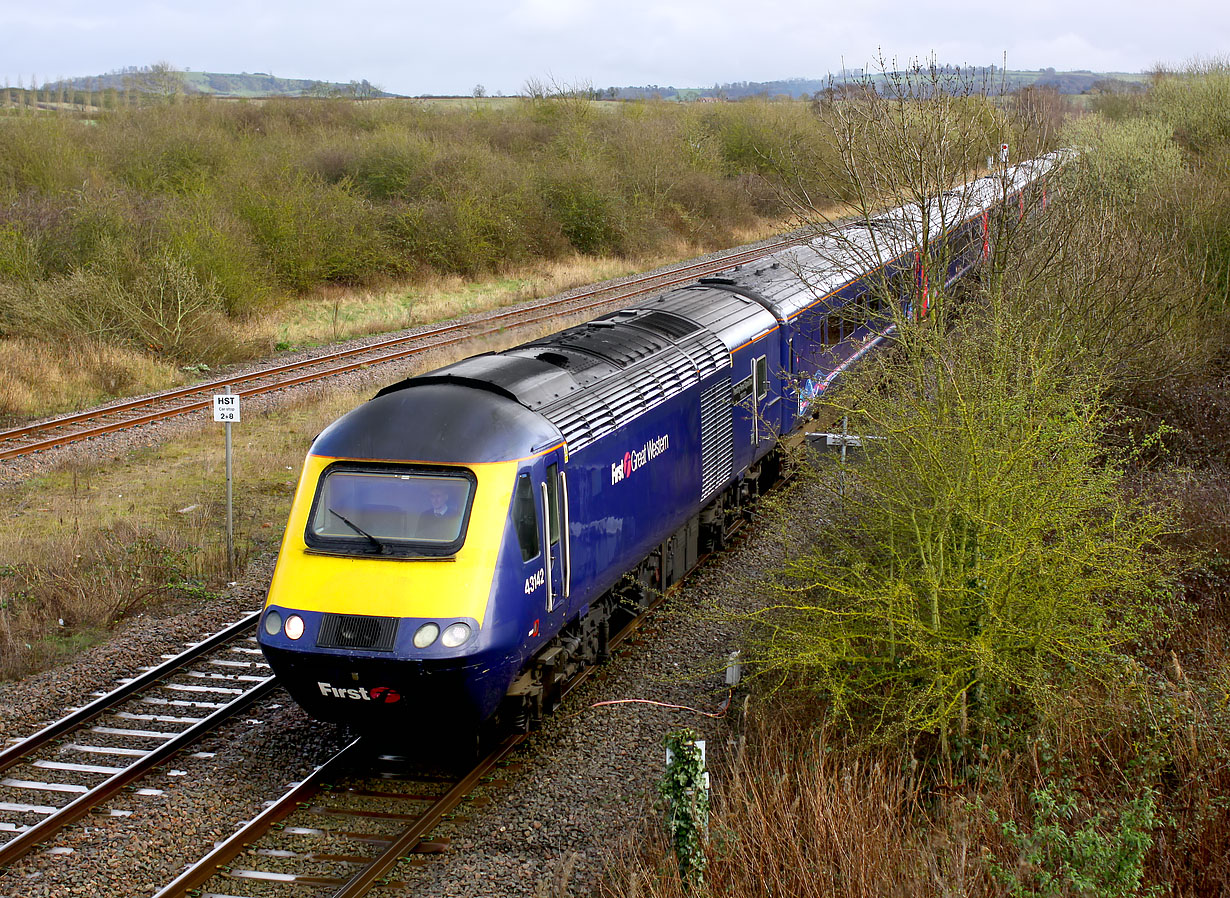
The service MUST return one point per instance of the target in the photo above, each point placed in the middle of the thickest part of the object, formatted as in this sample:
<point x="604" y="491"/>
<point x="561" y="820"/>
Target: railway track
<point x="61" y="773"/>
<point x="84" y="425"/>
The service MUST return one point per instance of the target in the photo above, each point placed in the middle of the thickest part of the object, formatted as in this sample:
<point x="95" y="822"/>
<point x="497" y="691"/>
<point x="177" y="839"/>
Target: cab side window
<point x="525" y="518"/>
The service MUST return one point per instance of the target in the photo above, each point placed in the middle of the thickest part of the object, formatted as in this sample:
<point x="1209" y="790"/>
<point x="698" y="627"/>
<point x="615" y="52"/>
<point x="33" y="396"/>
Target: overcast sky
<point x="449" y="47"/>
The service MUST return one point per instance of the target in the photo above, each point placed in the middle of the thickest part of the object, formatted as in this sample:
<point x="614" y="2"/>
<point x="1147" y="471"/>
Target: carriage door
<point x="554" y="496"/>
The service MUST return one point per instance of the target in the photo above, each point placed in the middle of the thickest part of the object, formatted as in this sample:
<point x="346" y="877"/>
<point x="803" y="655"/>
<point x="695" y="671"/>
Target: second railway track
<point x="67" y="429"/>
<point x="61" y="773"/>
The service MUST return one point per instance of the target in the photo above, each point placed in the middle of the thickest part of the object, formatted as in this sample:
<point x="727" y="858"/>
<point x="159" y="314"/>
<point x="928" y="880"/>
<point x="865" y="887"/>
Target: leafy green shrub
<point x="587" y="211"/>
<point x="977" y="552"/>
<point x="397" y="166"/>
<point x="1125" y="162"/>
<point x="18" y="254"/>
<point x="44" y="155"/>
<point x="1196" y="103"/>
<point x="219" y="248"/>
<point x="165" y="309"/>
<point x="1071" y="851"/>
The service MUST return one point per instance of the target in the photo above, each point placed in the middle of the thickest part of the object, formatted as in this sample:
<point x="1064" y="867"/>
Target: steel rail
<point x="662" y="280"/>
<point x="226" y="851"/>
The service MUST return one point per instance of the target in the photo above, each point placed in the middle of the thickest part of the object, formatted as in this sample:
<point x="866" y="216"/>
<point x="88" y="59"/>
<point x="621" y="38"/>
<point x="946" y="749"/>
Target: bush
<point x="314" y="233"/>
<point x="165" y="309"/>
<point x="1125" y="162"/>
<point x="585" y="207"/>
<point x="977" y="552"/>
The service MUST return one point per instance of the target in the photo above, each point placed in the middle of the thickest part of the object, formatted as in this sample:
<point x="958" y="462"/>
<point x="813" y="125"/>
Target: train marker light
<point x="273" y="622"/>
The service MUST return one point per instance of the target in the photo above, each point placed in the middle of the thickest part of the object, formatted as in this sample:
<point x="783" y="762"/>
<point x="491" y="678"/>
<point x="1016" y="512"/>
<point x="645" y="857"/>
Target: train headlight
<point x="426" y="635"/>
<point x="294" y="626"/>
<point x="455" y="634"/>
<point x="273" y="622"/>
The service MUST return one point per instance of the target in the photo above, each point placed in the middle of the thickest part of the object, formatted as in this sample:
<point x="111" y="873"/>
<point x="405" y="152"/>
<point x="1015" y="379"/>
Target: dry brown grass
<point x="39" y="378"/>
<point x="802" y="810"/>
<point x="335" y="314"/>
<point x="797" y="812"/>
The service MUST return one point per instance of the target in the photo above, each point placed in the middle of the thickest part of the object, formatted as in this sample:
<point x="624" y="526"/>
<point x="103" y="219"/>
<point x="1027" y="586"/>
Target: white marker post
<point x="226" y="410"/>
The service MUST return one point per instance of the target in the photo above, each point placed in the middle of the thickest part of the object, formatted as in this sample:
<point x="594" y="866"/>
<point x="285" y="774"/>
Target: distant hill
<point x="994" y="79"/>
<point x="245" y="84"/>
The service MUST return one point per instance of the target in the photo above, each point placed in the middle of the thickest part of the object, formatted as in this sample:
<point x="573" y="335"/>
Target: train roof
<point x="588" y="380"/>
<point x="466" y="426"/>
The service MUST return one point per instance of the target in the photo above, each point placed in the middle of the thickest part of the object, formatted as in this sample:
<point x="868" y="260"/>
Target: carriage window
<point x="525" y="518"/>
<point x="762" y="378"/>
<point x="834" y="330"/>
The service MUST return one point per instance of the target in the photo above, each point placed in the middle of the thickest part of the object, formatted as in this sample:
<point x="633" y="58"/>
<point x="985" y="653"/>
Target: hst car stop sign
<point x="226" y="408"/>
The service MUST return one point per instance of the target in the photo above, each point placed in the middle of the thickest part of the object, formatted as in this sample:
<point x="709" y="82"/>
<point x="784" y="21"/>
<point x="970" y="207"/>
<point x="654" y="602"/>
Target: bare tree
<point x="160" y="82"/>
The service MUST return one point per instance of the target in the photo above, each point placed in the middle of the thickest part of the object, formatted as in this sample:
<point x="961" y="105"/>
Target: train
<point x="462" y="544"/>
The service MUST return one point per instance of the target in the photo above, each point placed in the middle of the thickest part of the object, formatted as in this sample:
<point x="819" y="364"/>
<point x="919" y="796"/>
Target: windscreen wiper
<point x="384" y="550"/>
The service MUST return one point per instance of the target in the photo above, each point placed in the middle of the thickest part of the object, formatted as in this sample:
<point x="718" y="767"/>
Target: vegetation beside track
<point x="995" y="661"/>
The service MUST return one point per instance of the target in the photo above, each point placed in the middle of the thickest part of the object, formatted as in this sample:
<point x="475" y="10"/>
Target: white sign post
<point x="1003" y="153"/>
<point x="226" y="411"/>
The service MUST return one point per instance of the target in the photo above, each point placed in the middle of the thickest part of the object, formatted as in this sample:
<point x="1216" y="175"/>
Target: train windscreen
<point x="390" y="512"/>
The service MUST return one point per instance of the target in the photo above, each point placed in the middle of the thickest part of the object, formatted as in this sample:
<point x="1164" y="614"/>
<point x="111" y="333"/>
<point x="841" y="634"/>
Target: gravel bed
<point x="581" y="788"/>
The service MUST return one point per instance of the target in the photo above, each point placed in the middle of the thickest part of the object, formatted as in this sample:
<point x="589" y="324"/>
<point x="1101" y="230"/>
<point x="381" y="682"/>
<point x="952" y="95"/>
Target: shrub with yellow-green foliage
<point x="980" y="549"/>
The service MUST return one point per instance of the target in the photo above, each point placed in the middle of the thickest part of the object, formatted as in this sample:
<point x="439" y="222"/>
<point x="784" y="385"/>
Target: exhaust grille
<point x="358" y="631"/>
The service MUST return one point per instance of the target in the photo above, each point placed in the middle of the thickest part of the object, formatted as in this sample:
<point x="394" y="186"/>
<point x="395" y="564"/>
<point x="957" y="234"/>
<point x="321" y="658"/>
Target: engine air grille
<point x="357" y="631"/>
<point x="717" y="438"/>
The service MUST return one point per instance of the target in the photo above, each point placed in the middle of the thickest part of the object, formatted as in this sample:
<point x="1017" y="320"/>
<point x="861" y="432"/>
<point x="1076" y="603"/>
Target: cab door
<point x="765" y="403"/>
<point x="553" y="495"/>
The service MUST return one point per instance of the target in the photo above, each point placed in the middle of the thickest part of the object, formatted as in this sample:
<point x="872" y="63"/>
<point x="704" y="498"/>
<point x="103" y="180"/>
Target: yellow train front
<point x="383" y="610"/>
